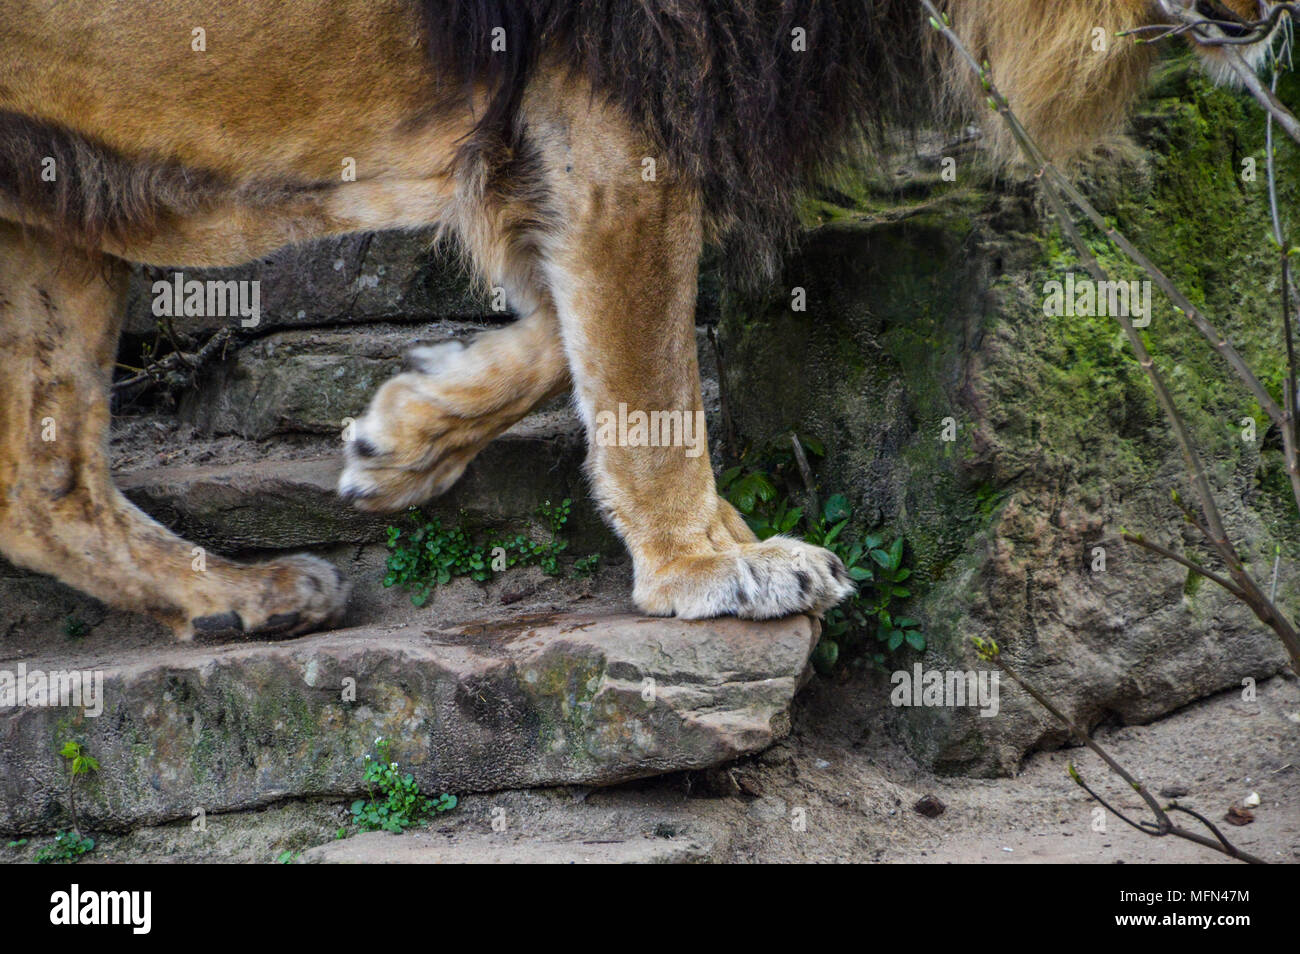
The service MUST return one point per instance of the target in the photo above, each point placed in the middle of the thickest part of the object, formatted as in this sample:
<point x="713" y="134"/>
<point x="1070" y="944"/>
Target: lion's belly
<point x="259" y="89"/>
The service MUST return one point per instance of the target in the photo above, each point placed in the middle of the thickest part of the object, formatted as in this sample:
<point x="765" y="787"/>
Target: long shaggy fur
<point x="720" y="88"/>
<point x="717" y="85"/>
<point x="1068" y="93"/>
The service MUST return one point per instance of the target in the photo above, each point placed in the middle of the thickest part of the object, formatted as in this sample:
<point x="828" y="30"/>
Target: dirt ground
<point x="839" y="789"/>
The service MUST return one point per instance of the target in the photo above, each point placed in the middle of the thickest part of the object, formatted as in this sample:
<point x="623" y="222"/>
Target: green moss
<point x="575" y="683"/>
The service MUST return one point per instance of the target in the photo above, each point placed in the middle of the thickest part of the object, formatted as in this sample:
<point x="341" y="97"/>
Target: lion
<point x="581" y="152"/>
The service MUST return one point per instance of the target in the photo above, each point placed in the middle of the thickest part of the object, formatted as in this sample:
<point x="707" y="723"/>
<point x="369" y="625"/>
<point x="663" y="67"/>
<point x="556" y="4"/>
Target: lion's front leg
<point x="623" y="264"/>
<point x="59" y="511"/>
<point x="425" y="425"/>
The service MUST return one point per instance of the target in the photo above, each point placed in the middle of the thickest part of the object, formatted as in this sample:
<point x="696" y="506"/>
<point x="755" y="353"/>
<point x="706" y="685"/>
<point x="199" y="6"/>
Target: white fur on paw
<point x="365" y="446"/>
<point x="776" y="577"/>
<point x="436" y="358"/>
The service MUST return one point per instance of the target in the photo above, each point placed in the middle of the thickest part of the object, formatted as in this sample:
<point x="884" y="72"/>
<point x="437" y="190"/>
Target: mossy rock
<point x="931" y="312"/>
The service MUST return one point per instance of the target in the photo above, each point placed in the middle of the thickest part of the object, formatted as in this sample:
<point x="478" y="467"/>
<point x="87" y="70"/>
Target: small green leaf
<point x="826" y="655"/>
<point x="813" y="446"/>
<point x="836" y="508"/>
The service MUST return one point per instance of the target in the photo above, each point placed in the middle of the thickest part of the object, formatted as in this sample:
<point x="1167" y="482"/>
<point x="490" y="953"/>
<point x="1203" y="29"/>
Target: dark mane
<point x="716" y="84"/>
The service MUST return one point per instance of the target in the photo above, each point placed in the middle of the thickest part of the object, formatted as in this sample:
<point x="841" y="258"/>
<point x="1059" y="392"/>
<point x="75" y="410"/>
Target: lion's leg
<point x="424" y="426"/>
<point x="59" y="511"/>
<point x="622" y="261"/>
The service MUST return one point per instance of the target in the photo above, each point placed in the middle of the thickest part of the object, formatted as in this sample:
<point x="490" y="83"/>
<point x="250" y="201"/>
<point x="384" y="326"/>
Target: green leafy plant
<point x="71" y="845"/>
<point x="866" y="625"/>
<point x="426" y="554"/>
<point x="74" y="627"/>
<point x="68" y="847"/>
<point x="586" y="566"/>
<point x="395" y="801"/>
<point x="81" y="762"/>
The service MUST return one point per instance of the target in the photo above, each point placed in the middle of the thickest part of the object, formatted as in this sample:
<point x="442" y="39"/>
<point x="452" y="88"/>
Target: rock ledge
<point x="513" y="703"/>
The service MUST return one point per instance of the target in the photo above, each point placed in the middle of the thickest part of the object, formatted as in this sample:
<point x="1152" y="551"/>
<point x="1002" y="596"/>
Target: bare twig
<point x="1139" y="540"/>
<point x="801" y="461"/>
<point x="1236" y="32"/>
<point x="1162" y="826"/>
<point x="158" y="371"/>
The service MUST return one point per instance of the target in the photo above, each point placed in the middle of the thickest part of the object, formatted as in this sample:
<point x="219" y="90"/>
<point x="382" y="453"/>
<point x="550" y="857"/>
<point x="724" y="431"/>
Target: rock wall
<point x="925" y="303"/>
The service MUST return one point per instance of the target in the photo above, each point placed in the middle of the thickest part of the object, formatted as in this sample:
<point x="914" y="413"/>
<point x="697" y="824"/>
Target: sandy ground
<point x="838" y="789"/>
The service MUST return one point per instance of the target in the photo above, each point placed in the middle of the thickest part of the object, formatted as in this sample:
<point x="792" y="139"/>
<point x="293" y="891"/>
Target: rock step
<point x="311" y="381"/>
<point x="253" y="499"/>
<point x="286" y="503"/>
<point x="502" y="703"/>
<point x="640" y="824"/>
<point x="351" y="279"/>
<point x="307" y="381"/>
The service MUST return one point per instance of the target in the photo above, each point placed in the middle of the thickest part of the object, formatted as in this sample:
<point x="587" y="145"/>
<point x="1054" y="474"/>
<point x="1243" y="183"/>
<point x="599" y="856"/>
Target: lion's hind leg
<point x="59" y="511"/>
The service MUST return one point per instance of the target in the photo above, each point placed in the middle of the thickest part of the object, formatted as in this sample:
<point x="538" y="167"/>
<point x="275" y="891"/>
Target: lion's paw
<point x="280" y="599"/>
<point x="419" y="433"/>
<point x="763" y="580"/>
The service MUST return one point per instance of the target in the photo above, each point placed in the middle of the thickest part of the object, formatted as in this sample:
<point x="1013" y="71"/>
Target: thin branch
<point x="1236" y="32"/>
<point x="1162" y="826"/>
<point x="801" y="461"/>
<point x="1175" y="807"/>
<point x="1191" y="565"/>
